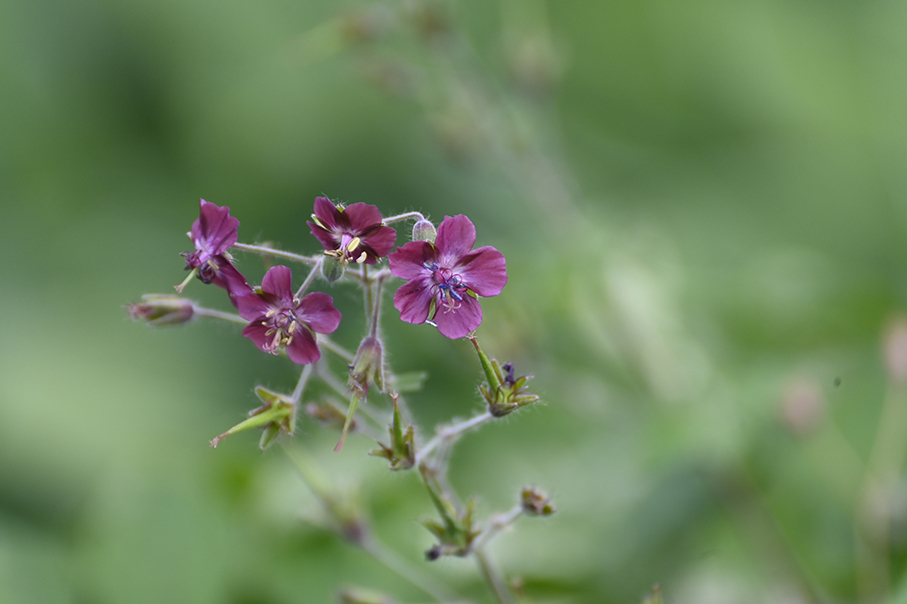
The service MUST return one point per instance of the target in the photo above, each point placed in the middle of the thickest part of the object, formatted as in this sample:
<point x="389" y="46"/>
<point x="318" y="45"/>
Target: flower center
<point x="281" y="325"/>
<point x="346" y="253"/>
<point x="448" y="286"/>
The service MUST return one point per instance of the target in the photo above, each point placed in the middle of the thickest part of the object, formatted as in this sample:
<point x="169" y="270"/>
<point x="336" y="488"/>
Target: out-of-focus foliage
<point x="702" y="205"/>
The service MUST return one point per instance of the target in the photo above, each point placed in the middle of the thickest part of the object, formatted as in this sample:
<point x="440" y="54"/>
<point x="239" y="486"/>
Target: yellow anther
<point x="270" y="331"/>
<point x="353" y="244"/>
<point x="271" y="313"/>
<point x="361" y="258"/>
<point x="291" y="328"/>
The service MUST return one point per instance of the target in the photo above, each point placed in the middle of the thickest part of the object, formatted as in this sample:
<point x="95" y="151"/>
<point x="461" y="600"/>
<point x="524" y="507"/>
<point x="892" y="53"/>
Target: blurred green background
<point x="702" y="205"/>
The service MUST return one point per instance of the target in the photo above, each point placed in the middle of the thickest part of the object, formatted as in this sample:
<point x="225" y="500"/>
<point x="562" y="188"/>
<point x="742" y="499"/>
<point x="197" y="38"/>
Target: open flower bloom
<point x="445" y="278"/>
<point x="213" y="233"/>
<point x="277" y="319"/>
<point x="353" y="233"/>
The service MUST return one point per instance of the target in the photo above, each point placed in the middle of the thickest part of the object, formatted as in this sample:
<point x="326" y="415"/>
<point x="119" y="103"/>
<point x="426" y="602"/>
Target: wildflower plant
<point x="440" y="282"/>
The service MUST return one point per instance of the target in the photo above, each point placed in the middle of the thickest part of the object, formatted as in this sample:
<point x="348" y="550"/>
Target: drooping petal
<point x="408" y="262"/>
<point x="456" y="323"/>
<point x="230" y="279"/>
<point x="413" y="300"/>
<point x="303" y="349"/>
<point x="215" y="230"/>
<point x="317" y="311"/>
<point x="484" y="271"/>
<point x="256" y="331"/>
<point x="278" y="282"/>
<point x="456" y="236"/>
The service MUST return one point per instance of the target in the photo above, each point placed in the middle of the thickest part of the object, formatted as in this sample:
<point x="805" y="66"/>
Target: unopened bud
<point x="896" y="351"/>
<point x="331" y="268"/>
<point x="368" y="366"/>
<point x="162" y="309"/>
<point x="424" y="230"/>
<point x="535" y="502"/>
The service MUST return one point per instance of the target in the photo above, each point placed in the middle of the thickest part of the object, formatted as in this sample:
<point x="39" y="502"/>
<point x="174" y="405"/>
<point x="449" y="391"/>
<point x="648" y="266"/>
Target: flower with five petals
<point x="445" y="278"/>
<point x="279" y="320"/>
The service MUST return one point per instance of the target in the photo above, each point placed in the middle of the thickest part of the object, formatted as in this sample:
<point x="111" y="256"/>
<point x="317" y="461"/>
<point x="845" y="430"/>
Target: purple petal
<point x="255" y="331"/>
<point x="380" y="239"/>
<point x="361" y="216"/>
<point x="230" y="279"/>
<point x="326" y="213"/>
<point x="327" y="240"/>
<point x="215" y="229"/>
<point x="278" y="282"/>
<point x="484" y="271"/>
<point x="413" y="300"/>
<point x="408" y="261"/>
<point x="456" y="323"/>
<point x="251" y="306"/>
<point x="456" y="236"/>
<point x="303" y="349"/>
<point x="317" y="311"/>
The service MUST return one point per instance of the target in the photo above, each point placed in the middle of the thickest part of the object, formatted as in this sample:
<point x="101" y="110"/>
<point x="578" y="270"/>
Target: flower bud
<point x="368" y="366"/>
<point x="162" y="309"/>
<point x="535" y="502"/>
<point x="331" y="268"/>
<point x="424" y="230"/>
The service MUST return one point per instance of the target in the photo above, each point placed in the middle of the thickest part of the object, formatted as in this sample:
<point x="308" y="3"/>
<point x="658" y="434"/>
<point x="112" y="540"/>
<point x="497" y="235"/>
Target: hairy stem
<point x="493" y="577"/>
<point x="450" y="433"/>
<point x="266" y="251"/>
<point x="216" y="314"/>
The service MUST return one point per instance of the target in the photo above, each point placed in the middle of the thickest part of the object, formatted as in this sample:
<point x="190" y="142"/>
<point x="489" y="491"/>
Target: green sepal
<point x="455" y="532"/>
<point x="402" y="452"/>
<point x="277" y="411"/>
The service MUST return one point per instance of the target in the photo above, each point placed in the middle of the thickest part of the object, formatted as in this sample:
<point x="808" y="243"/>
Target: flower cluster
<point x="444" y="276"/>
<point x="443" y="280"/>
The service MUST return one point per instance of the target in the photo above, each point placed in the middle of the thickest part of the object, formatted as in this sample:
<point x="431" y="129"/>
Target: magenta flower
<point x="213" y="233"/>
<point x="353" y="233"/>
<point x="280" y="320"/>
<point x="445" y="278"/>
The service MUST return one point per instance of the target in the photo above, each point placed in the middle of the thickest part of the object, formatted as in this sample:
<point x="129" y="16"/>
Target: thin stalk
<point x="404" y="216"/>
<point x="300" y="385"/>
<point x="217" y="314"/>
<point x="266" y="251"/>
<point x="496" y="524"/>
<point x="328" y="378"/>
<point x="393" y="563"/>
<point x="309" y="278"/>
<point x="496" y="583"/>
<point x="340" y="351"/>
<point x="450" y="433"/>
